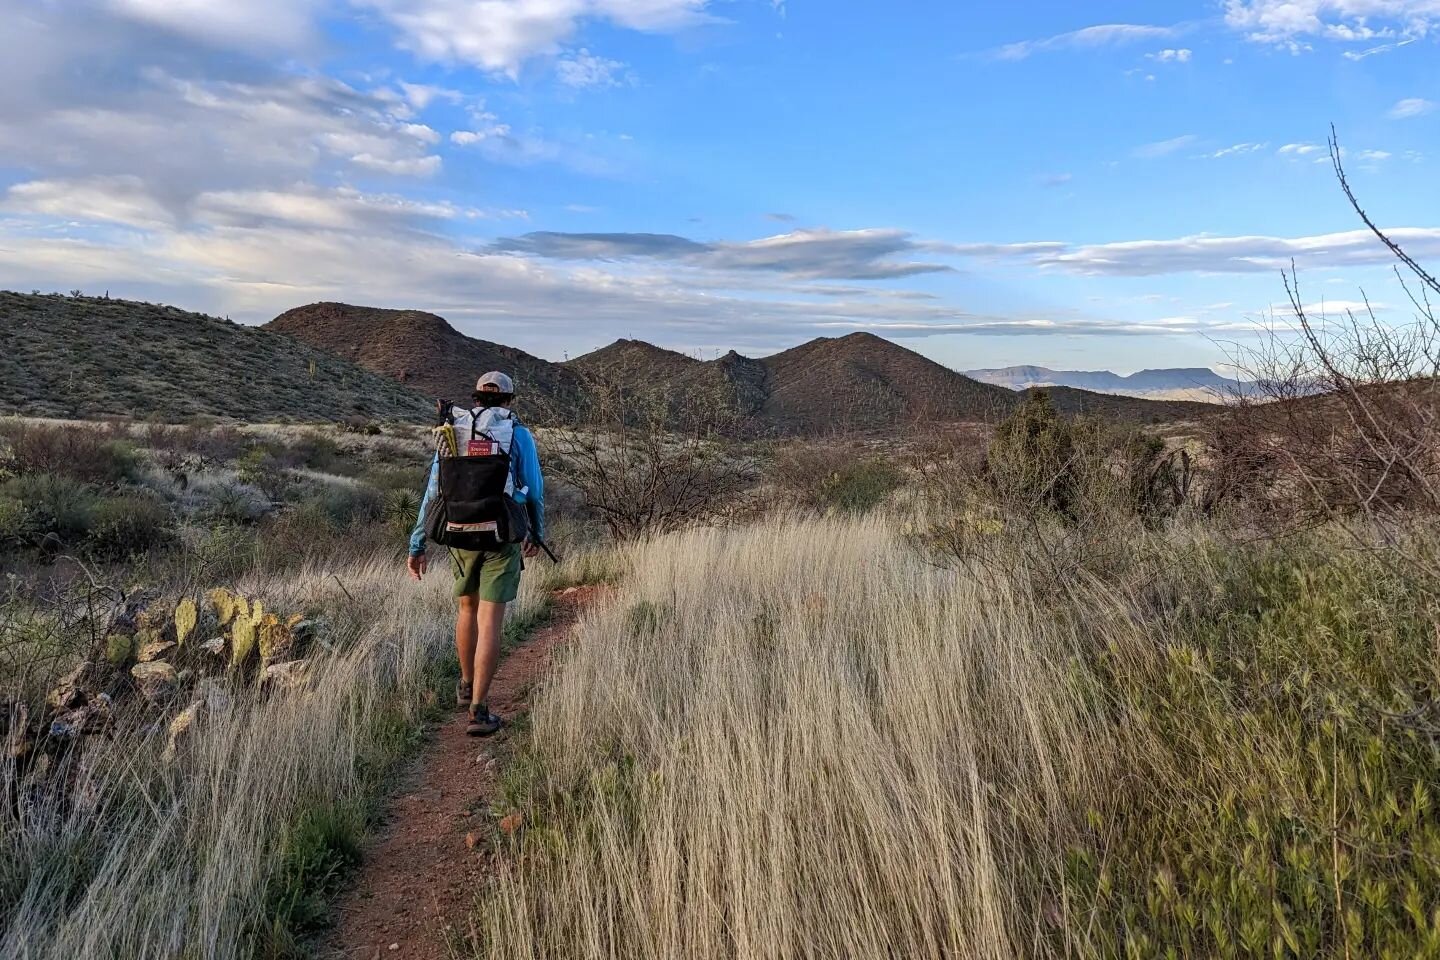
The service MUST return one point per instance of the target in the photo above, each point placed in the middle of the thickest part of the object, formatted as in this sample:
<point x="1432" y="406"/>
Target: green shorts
<point x="493" y="574"/>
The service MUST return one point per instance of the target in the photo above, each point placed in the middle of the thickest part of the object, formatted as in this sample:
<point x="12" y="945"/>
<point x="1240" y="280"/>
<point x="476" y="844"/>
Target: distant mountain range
<point x="1175" y="383"/>
<point x="85" y="356"/>
<point x="855" y="382"/>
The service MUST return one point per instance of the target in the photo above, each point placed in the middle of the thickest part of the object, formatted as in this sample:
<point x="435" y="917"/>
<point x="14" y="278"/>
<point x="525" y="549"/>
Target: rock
<point x="285" y="675"/>
<point x="156" y="679"/>
<point x="155" y="649"/>
<point x="70" y="724"/>
<point x="73" y="689"/>
<point x="472" y="840"/>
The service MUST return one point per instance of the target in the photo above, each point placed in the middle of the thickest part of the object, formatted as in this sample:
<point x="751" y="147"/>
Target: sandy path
<point x="419" y="877"/>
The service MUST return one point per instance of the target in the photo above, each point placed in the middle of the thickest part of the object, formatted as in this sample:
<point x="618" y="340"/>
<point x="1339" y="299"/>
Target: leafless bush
<point x="1350" y="430"/>
<point x="647" y="463"/>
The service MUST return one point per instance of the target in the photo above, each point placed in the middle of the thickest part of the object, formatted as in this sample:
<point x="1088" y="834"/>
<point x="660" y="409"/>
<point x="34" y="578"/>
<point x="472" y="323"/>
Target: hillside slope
<point x="89" y="357"/>
<point x="424" y="352"/>
<point x="862" y="381"/>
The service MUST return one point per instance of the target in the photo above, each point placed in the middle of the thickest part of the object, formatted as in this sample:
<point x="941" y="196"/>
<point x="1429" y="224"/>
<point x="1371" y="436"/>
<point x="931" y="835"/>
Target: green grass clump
<point x="1286" y="806"/>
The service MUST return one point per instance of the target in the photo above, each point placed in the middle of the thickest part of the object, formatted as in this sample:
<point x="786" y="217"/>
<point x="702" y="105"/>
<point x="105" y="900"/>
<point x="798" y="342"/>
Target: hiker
<point x="488" y="577"/>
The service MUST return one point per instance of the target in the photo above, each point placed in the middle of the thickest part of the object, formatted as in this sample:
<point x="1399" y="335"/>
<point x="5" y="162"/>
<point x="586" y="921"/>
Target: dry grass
<point x="224" y="849"/>
<point x="799" y="740"/>
<point x="806" y="740"/>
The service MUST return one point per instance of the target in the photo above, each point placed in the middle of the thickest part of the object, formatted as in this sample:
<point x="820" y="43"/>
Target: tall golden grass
<point x="204" y="853"/>
<point x="801" y="740"/>
<point x="806" y="739"/>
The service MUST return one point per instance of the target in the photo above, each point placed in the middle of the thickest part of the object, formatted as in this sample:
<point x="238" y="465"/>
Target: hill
<point x="427" y="354"/>
<point x="89" y="357"/>
<point x="856" y="382"/>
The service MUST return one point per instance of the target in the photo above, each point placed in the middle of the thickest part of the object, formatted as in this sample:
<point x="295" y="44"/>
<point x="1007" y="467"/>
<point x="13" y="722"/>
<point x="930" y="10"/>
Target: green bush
<point x="127" y="526"/>
<point x="50" y="511"/>
<point x="1033" y="460"/>
<point x="827" y="476"/>
<point x="1288" y="807"/>
<point x="860" y="486"/>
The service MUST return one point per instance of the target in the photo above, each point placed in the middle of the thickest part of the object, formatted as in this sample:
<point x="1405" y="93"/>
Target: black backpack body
<point x="471" y="509"/>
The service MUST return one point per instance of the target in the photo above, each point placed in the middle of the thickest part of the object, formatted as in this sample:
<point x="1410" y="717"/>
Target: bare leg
<point x="465" y="636"/>
<point x="489" y="618"/>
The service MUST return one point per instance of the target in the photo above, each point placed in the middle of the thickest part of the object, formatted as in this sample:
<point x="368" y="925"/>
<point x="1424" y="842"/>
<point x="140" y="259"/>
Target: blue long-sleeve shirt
<point x="529" y="487"/>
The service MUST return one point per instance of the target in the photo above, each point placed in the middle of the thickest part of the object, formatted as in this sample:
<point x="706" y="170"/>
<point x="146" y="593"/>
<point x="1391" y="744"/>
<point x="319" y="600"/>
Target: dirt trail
<point x="419" y="878"/>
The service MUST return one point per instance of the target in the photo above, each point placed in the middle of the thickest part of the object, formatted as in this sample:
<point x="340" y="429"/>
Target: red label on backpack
<point x="481" y="448"/>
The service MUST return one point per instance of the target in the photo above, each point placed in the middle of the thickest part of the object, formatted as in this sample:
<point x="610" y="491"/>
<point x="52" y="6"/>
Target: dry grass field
<point x="806" y="738"/>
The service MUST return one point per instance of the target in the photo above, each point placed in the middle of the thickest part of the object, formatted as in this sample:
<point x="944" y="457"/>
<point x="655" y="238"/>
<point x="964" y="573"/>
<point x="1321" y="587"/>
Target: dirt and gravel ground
<point x="419" y="877"/>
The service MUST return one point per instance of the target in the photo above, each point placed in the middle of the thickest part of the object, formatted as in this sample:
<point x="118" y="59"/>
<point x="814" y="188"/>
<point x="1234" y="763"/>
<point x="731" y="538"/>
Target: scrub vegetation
<point x="210" y="668"/>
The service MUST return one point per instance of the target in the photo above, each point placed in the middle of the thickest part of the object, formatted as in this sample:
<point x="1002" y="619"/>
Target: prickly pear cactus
<point x="224" y="603"/>
<point x="276" y="640"/>
<point x="187" y="615"/>
<point x="243" y="634"/>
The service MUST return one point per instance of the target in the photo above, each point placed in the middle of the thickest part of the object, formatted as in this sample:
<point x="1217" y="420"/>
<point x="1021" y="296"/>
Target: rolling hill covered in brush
<point x="89" y="357"/>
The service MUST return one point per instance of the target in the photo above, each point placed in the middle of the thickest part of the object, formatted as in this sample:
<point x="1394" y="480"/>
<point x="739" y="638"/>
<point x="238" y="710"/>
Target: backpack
<point x="474" y="507"/>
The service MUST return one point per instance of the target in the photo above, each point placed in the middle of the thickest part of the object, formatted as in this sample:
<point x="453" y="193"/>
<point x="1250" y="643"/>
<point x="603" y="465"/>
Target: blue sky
<point x="1108" y="184"/>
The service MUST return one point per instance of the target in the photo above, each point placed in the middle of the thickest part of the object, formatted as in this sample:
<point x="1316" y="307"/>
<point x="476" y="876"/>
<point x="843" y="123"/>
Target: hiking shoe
<point x="482" y="723"/>
<point x="462" y="694"/>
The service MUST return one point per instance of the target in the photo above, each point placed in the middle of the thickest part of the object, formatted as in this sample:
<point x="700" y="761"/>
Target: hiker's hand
<point x="530" y="550"/>
<point x="416" y="564"/>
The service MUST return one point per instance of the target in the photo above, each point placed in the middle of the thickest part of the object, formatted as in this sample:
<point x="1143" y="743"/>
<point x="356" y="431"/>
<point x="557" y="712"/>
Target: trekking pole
<point x="544" y="546"/>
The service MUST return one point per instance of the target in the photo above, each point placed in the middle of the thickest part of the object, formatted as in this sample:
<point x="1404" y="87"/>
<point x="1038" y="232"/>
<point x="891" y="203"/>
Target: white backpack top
<point x="485" y="423"/>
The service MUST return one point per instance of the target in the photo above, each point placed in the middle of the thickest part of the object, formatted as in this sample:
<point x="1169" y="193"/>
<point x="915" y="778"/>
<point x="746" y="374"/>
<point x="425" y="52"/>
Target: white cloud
<point x="420" y="95"/>
<point x="1411" y="107"/>
<point x="1208" y="254"/>
<point x="1164" y="148"/>
<point x="813" y="254"/>
<point x="1056" y="179"/>
<point x="1104" y="35"/>
<point x="583" y="69"/>
<point x="1374" y="156"/>
<point x="1299" y="149"/>
<point x="1238" y="149"/>
<point x="114" y="199"/>
<point x="1171" y="56"/>
<point x="501" y="35"/>
<point x="1289" y="23"/>
<point x="1358" y="55"/>
<point x="262" y="24"/>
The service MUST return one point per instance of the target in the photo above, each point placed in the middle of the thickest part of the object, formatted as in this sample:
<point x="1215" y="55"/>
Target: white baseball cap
<point x="496" y="379"/>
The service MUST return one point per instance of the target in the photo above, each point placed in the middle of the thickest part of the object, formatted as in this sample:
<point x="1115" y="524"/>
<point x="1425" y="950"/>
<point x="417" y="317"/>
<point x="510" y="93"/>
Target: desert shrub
<point x="1034" y="458"/>
<point x="223" y="552"/>
<point x="835" y="476"/>
<point x="644" y="468"/>
<point x="346" y="503"/>
<point x="317" y="451"/>
<point x="126" y="526"/>
<point x="219" y="443"/>
<point x="52" y="511"/>
<point x="861" y="485"/>
<point x="237" y="503"/>
<point x="89" y="454"/>
<point x="1285" y="805"/>
<point x="261" y="468"/>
